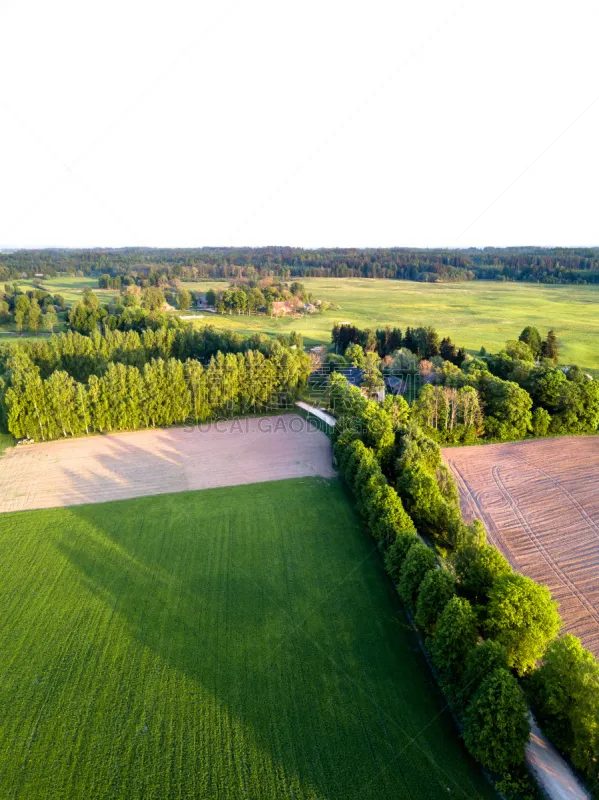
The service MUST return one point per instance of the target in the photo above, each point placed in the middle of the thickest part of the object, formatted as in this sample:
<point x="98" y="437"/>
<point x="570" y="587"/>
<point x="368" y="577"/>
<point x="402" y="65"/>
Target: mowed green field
<point x="232" y="643"/>
<point x="474" y="314"/>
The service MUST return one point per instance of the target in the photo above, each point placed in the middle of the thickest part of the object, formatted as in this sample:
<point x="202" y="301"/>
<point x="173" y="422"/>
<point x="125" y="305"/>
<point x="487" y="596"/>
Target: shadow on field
<point x="264" y="626"/>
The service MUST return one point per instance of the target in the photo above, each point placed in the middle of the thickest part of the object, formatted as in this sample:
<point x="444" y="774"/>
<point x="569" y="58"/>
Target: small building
<point x="353" y="375"/>
<point x="395" y="385"/>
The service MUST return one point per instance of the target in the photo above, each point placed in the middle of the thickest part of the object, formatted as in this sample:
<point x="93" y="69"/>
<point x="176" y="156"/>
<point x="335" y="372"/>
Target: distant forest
<point x="532" y="264"/>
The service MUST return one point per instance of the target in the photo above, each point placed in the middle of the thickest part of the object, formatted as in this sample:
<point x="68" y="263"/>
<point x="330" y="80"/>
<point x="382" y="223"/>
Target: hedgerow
<point x="482" y="622"/>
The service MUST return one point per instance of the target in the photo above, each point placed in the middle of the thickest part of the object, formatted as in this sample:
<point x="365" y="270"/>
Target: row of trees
<point x="247" y="297"/>
<point x="133" y="310"/>
<point x="450" y="414"/>
<point x="485" y="625"/>
<point x="423" y="342"/>
<point x="546" y="265"/>
<point x="81" y="356"/>
<point x="162" y="392"/>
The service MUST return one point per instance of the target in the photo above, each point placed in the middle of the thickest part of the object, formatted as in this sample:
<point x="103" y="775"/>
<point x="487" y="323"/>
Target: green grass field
<point x="233" y="643"/>
<point x="71" y="288"/>
<point x="473" y="314"/>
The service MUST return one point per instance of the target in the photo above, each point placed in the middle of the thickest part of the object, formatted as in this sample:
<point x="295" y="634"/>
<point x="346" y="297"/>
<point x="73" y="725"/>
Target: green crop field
<point x="233" y="643"/>
<point x="473" y="314"/>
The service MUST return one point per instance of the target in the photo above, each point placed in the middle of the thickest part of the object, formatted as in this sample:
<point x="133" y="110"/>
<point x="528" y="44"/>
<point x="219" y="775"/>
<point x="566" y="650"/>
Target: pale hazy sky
<point x="308" y="123"/>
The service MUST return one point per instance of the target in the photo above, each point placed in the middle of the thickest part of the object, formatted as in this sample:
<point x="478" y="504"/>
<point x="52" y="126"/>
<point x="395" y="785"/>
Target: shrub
<point x="436" y="589"/>
<point x="523" y="618"/>
<point x="477" y="567"/>
<point x="455" y="636"/>
<point x="496" y="726"/>
<point x="396" y="554"/>
<point x="480" y="663"/>
<point x="418" y="561"/>
<point x="541" y="419"/>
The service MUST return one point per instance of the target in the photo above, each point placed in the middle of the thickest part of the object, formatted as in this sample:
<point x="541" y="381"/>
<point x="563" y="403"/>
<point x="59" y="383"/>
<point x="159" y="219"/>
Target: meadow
<point x="230" y="643"/>
<point x="71" y="288"/>
<point x="475" y="314"/>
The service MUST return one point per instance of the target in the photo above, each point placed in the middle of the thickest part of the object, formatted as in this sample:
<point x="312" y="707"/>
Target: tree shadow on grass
<point x="273" y="604"/>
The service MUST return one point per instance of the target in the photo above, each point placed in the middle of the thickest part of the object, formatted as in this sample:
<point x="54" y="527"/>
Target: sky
<point x="312" y="124"/>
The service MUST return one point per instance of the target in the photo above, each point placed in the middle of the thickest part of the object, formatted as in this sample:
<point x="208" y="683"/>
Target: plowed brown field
<point x="540" y="504"/>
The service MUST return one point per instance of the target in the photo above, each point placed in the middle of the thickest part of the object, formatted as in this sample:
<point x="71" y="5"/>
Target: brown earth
<point x="122" y="465"/>
<point x="539" y="501"/>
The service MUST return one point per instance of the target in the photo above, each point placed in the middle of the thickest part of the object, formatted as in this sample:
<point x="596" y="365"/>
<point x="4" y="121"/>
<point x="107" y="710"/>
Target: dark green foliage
<point x="496" y="726"/>
<point x="521" y="616"/>
<point x="532" y="338"/>
<point x="431" y="512"/>
<point x="397" y="552"/>
<point x="565" y="696"/>
<point x="422" y="341"/>
<point x="448" y="350"/>
<point x="549" y="348"/>
<point x="547" y="387"/>
<point x="455" y="636"/>
<point x="112" y="395"/>
<point x="436" y="589"/>
<point x="541" y="420"/>
<point x="148" y="265"/>
<point x="426" y="487"/>
<point x="418" y="561"/>
<point x="480" y="663"/>
<point x="507" y="408"/>
<point x="476" y="569"/>
<point x="518" y="784"/>
<point x="388" y="518"/>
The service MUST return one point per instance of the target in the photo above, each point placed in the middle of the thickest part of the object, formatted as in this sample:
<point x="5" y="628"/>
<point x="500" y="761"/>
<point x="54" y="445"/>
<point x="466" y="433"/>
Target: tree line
<point x="33" y="310"/>
<point x="510" y="395"/>
<point x="486" y="628"/>
<point x="72" y="384"/>
<point x="83" y="355"/>
<point x="533" y="264"/>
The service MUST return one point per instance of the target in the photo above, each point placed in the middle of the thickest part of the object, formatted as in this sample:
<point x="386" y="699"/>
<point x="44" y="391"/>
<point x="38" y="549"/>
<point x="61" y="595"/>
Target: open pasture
<point x="474" y="314"/>
<point x="540" y="504"/>
<point x="239" y="643"/>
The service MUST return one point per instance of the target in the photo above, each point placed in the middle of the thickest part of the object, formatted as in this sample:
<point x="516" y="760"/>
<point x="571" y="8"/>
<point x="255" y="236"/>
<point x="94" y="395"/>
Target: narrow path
<point x="317" y="412"/>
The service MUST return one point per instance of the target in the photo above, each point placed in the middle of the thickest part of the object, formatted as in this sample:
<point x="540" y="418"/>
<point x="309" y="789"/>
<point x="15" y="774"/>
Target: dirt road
<point x="117" y="466"/>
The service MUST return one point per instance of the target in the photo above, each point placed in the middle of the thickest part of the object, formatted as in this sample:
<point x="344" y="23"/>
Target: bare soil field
<point x="539" y="501"/>
<point x="124" y="465"/>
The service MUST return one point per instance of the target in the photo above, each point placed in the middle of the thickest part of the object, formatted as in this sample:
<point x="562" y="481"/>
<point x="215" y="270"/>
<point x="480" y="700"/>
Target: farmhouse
<point x="395" y="385"/>
<point x="353" y="375"/>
